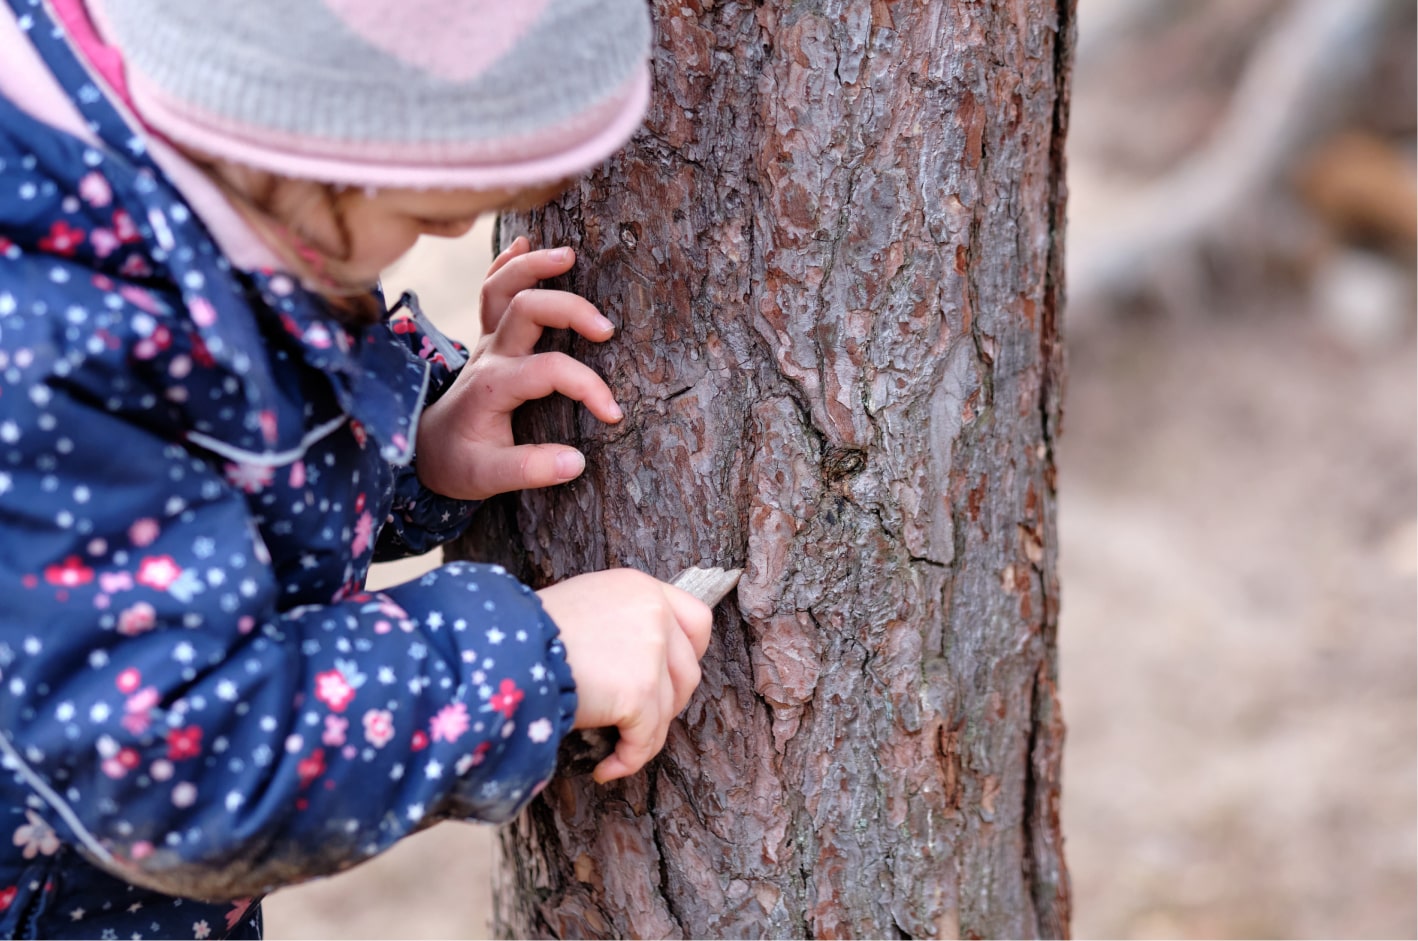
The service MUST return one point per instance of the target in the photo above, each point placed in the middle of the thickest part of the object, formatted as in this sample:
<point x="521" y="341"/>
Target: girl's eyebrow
<point x="434" y="216"/>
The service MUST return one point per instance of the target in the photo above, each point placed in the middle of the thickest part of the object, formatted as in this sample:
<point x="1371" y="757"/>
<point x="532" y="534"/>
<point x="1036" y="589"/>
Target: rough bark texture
<point x="834" y="256"/>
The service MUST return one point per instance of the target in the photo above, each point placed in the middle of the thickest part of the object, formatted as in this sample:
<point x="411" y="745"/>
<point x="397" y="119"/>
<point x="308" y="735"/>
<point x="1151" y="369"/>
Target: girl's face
<point x="384" y="224"/>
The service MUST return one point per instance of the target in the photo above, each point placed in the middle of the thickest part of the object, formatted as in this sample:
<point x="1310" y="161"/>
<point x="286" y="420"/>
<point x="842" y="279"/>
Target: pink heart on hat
<point x="455" y="40"/>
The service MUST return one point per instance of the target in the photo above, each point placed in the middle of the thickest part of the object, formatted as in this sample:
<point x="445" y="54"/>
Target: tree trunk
<point x="834" y="256"/>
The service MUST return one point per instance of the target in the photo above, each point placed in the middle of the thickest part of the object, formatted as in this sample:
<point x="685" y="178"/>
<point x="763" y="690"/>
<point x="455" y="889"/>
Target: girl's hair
<point x="307" y="220"/>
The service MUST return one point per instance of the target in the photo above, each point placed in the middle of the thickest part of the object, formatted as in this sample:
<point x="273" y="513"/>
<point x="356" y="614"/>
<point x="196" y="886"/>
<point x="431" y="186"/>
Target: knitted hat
<point x="476" y="94"/>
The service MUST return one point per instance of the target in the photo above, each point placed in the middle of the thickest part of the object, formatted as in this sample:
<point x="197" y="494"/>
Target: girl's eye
<point x="445" y="226"/>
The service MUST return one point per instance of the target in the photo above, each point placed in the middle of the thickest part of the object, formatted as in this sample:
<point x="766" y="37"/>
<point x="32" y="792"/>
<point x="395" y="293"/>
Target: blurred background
<point x="1238" y="498"/>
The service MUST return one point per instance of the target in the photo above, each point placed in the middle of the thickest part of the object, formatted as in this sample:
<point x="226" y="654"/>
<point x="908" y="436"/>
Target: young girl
<point x="210" y="426"/>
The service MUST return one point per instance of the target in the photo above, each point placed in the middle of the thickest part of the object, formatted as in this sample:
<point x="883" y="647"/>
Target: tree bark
<point x="834" y="256"/>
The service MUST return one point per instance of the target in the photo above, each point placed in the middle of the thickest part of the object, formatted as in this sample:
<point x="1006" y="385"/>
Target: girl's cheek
<point x="381" y="249"/>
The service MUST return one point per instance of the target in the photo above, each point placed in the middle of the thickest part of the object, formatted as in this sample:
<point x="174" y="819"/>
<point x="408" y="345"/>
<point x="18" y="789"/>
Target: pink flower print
<point x="158" y="572"/>
<point x="184" y="743"/>
<point x="480" y="753"/>
<point x="333" y="690"/>
<point x="114" y="582"/>
<point x="360" y="435"/>
<point x="137" y="710"/>
<point x="429" y="352"/>
<point x="251" y="478"/>
<point x="403" y="322"/>
<point x="419" y="741"/>
<point x="364" y="534"/>
<point x="311" y="767"/>
<point x="105" y="243"/>
<point x="7" y="896"/>
<point x="267" y="418"/>
<point x="140" y="298"/>
<point x="378" y="727"/>
<point x="143" y="532"/>
<point x="129" y="680"/>
<point x="335" y="728"/>
<point x="319" y="337"/>
<point x="137" y="619"/>
<point x="95" y="191"/>
<point x="63" y="239"/>
<point x="238" y="908"/>
<point x="143" y="700"/>
<point x="506" y="699"/>
<point x="201" y="930"/>
<point x="121" y="763"/>
<point x="450" y="723"/>
<point x="135" y="266"/>
<point x="124" y="227"/>
<point x="297" y="474"/>
<point x="151" y="346"/>
<point x="202" y="311"/>
<point x="37" y="838"/>
<point x="71" y="573"/>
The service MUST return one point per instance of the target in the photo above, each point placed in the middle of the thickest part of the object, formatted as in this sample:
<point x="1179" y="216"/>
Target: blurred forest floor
<point x="1238" y="489"/>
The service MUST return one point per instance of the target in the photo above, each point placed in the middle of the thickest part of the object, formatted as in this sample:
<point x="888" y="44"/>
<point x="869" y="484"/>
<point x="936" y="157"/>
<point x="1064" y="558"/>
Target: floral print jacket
<point x="198" y="700"/>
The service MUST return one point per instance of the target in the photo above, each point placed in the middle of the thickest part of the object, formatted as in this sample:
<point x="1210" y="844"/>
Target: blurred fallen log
<point x="1308" y="58"/>
<point x="1363" y="188"/>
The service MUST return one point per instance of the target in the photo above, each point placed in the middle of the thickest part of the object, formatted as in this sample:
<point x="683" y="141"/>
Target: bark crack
<point x="1045" y="870"/>
<point x="671" y="905"/>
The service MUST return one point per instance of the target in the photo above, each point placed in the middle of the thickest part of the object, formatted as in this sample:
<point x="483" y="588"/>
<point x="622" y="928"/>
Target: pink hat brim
<point x="556" y="154"/>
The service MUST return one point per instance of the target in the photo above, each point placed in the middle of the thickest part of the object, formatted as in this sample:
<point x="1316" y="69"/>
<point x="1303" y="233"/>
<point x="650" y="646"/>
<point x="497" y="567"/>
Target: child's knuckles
<point x="521" y="304"/>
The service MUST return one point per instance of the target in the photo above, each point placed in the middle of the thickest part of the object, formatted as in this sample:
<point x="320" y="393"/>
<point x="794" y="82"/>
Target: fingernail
<point x="561" y="254"/>
<point x="569" y="464"/>
<point x="616" y="413"/>
<point x="604" y="323"/>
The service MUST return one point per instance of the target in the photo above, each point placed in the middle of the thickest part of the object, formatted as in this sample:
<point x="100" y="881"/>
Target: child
<point x="209" y="427"/>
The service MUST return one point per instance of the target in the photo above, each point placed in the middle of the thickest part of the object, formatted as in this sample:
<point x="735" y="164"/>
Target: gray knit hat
<point x="478" y="94"/>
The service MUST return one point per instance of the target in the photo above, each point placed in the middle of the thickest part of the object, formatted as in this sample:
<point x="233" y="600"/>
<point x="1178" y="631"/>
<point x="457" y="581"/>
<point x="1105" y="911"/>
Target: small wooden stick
<point x="583" y="749"/>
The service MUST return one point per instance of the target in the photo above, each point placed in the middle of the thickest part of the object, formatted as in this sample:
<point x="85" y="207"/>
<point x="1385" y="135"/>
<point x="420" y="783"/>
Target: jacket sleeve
<point x="189" y="735"/>
<point x="420" y="519"/>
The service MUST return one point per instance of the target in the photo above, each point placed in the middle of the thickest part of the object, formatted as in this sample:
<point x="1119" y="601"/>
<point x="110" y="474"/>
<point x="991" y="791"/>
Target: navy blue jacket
<point x="198" y="700"/>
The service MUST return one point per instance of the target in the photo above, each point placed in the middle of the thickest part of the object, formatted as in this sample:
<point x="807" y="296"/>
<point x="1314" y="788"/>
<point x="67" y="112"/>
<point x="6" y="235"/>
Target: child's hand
<point x="465" y="446"/>
<point x="633" y="644"/>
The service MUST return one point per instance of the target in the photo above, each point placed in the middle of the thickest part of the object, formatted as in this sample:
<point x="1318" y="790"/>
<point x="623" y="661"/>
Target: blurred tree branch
<point x="1306" y="58"/>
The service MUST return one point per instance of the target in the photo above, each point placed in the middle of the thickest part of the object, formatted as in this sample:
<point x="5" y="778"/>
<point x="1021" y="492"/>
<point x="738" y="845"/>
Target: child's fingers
<point x="536" y="377"/>
<point x="519" y="246"/>
<point x="695" y="618"/>
<point x="517" y="274"/>
<point x="524" y="467"/>
<point x="532" y="311"/>
<point x="684" y="670"/>
<point x="641" y="738"/>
